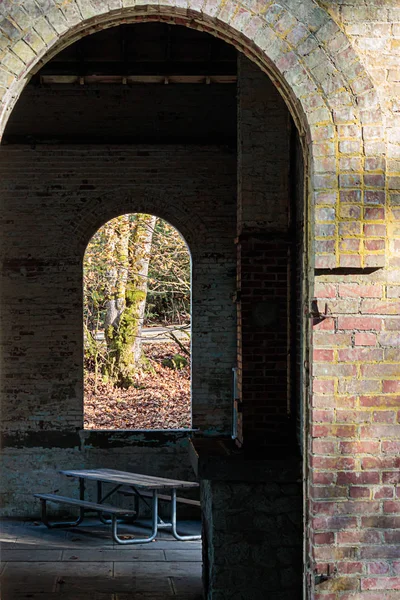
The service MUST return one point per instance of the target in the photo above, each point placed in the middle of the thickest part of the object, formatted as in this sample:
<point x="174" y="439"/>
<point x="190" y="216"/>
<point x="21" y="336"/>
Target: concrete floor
<point x="83" y="563"/>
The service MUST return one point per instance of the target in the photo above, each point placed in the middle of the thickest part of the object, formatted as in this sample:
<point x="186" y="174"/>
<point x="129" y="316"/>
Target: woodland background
<point x="137" y="281"/>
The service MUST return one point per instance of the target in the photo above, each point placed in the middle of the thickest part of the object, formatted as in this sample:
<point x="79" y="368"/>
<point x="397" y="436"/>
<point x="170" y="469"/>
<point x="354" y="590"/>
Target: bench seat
<point x="105" y="508"/>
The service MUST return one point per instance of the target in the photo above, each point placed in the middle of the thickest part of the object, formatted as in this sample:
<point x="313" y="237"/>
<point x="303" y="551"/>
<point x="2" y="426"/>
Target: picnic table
<point x="140" y="487"/>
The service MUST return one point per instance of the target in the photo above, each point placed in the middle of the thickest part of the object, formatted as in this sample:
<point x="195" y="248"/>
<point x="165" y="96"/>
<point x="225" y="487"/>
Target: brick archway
<point x="323" y="82"/>
<point x="311" y="62"/>
<point x="100" y="210"/>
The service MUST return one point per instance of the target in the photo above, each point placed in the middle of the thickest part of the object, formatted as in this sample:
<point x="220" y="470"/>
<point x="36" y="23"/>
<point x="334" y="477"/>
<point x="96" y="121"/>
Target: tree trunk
<point x="125" y="310"/>
<point x="140" y="252"/>
<point x="117" y="234"/>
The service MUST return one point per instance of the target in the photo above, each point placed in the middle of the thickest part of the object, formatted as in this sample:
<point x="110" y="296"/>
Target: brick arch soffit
<point x="304" y="52"/>
<point x="102" y="209"/>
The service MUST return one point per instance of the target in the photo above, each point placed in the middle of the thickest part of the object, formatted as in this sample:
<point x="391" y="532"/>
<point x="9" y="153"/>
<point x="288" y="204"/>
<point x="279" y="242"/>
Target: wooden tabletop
<point x="125" y="478"/>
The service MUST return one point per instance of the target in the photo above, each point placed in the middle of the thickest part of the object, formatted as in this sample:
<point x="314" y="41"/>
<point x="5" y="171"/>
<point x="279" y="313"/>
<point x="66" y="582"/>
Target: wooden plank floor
<point x="83" y="563"/>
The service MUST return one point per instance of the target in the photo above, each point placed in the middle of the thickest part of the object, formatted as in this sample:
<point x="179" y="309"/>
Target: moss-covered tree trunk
<point x="116" y="255"/>
<point x="126" y="306"/>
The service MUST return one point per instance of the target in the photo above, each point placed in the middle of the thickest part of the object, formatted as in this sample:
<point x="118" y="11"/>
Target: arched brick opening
<point x="100" y="210"/>
<point x="336" y="116"/>
<point x="307" y="56"/>
<point x="153" y="316"/>
<point x="200" y="239"/>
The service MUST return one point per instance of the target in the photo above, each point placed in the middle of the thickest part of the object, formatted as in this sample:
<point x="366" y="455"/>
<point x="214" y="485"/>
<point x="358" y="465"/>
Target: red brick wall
<point x="264" y="340"/>
<point x="354" y="452"/>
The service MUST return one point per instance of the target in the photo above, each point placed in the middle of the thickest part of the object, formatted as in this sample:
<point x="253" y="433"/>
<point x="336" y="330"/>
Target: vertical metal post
<point x="81" y="497"/>
<point x="99" y="495"/>
<point x="62" y="524"/>
<point x="176" y="535"/>
<point x="81" y="488"/>
<point x="155" y="513"/>
<point x="99" y="492"/>
<point x="173" y="510"/>
<point x="114" y="526"/>
<point x="44" y="512"/>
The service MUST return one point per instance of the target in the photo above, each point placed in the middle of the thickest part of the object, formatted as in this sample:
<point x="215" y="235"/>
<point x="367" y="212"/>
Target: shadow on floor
<point x="84" y="563"/>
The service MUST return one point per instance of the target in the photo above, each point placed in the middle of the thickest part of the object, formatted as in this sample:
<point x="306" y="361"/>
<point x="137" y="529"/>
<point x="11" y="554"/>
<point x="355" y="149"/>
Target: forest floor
<point x="159" y="399"/>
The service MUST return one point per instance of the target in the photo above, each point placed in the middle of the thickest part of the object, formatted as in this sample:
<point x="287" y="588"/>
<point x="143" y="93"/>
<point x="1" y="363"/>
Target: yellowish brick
<point x="24" y="52"/>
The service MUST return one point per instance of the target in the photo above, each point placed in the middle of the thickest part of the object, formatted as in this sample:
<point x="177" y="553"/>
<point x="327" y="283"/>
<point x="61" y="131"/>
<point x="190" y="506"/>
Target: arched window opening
<point x="137" y="326"/>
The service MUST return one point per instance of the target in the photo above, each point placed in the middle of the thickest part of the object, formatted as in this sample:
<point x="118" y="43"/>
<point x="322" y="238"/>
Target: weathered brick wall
<point x="263" y="255"/>
<point x="299" y="347"/>
<point x="336" y="64"/>
<point x="355" y="430"/>
<point x="263" y="148"/>
<point x="53" y="200"/>
<point x="373" y="29"/>
<point x="307" y="53"/>
<point x="354" y="462"/>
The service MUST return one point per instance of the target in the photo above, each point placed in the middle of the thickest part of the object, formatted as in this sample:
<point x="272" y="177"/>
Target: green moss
<point x="122" y="339"/>
<point x="177" y="362"/>
<point x="146" y="364"/>
<point x="123" y="343"/>
<point x="134" y="296"/>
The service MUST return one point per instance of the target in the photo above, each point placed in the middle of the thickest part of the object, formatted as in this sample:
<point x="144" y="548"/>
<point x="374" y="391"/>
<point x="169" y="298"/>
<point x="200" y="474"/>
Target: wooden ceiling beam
<point x="169" y="68"/>
<point x="132" y="79"/>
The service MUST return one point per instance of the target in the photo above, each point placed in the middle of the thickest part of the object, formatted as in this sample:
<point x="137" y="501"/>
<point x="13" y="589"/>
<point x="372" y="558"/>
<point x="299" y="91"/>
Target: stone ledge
<point x="99" y="439"/>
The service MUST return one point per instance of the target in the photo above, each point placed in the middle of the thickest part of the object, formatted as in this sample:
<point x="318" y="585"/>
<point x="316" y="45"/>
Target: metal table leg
<point x="181" y="538"/>
<point x="101" y="499"/>
<point x="119" y="540"/>
<point x="62" y="523"/>
<point x="65" y="523"/>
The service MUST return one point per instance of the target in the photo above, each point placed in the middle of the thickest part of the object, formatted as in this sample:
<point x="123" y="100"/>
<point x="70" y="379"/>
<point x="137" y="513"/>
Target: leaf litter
<point x="159" y="399"/>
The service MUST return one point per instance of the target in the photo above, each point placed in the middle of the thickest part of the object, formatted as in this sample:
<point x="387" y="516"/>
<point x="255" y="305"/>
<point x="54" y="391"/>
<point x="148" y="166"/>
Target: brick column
<point x="263" y="258"/>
